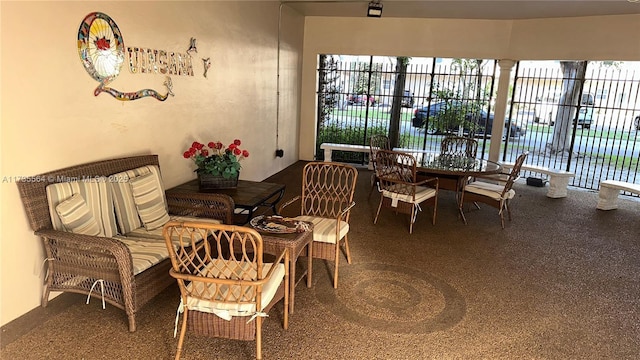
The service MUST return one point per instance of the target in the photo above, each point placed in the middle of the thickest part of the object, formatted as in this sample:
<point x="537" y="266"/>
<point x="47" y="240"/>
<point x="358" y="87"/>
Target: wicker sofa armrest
<point x="75" y="261"/>
<point x="212" y="206"/>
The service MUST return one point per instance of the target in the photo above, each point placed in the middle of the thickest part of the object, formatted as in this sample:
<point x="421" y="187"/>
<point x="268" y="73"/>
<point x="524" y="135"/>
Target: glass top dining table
<point x="452" y="171"/>
<point x="448" y="164"/>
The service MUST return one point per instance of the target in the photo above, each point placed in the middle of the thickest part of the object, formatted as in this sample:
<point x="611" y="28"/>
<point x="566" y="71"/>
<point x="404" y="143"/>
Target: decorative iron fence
<point x="356" y="96"/>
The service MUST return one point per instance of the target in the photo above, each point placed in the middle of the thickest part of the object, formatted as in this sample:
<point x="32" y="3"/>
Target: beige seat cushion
<point x="324" y="230"/>
<point x="493" y="191"/>
<point x="227" y="310"/>
<point x="148" y="247"/>
<point x="422" y="193"/>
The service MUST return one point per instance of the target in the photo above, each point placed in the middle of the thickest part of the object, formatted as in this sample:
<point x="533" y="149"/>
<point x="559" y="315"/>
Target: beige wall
<point x="51" y="119"/>
<point x="587" y="38"/>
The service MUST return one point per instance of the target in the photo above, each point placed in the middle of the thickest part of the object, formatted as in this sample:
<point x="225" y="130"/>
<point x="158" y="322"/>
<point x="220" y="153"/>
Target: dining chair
<point x="225" y="287"/>
<point x="490" y="190"/>
<point x="401" y="192"/>
<point x="377" y="142"/>
<point x="458" y="145"/>
<point x="326" y="201"/>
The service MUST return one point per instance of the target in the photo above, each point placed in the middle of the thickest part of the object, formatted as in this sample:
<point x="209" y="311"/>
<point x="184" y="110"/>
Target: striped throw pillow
<point x="149" y="200"/>
<point x="126" y="212"/>
<point x="77" y="218"/>
<point x="97" y="196"/>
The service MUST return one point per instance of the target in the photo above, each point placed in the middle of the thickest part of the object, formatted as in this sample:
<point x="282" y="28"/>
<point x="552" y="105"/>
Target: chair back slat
<point x="515" y="172"/>
<point x="458" y="145"/>
<point x="327" y="189"/>
<point x="396" y="171"/>
<point x="216" y="262"/>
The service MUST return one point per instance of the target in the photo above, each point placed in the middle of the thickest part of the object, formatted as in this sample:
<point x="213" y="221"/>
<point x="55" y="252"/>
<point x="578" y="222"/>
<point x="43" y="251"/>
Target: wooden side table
<point x="275" y="243"/>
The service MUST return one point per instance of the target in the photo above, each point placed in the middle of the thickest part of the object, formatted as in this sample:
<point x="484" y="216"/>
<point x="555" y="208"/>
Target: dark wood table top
<point x="248" y="194"/>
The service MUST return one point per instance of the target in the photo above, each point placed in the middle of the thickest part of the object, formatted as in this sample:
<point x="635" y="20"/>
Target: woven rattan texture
<point x="221" y="264"/>
<point x="76" y="262"/>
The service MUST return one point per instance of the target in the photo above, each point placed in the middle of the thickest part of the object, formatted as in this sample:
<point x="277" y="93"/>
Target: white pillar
<point x="500" y="109"/>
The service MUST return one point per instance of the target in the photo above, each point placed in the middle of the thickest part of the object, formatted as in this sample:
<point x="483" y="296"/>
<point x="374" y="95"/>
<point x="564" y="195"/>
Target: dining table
<point x="452" y="170"/>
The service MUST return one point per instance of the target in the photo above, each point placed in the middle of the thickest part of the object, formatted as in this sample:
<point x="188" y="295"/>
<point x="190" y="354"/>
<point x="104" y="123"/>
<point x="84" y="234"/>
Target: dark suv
<point x="473" y="124"/>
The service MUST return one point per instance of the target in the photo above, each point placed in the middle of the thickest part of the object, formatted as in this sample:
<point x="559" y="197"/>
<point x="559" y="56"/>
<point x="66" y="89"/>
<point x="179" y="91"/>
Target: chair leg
<point x="374" y="183"/>
<point x="375" y="220"/>
<point x="346" y="248"/>
<point x="259" y="337"/>
<point x="435" y="209"/>
<point x="335" y="270"/>
<point x="411" y="219"/>
<point x="183" y="330"/>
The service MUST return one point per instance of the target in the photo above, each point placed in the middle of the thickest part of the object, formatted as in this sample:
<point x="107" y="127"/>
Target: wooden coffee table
<point x="248" y="196"/>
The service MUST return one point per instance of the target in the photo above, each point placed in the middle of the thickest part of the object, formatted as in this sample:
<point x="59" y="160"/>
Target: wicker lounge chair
<point x="225" y="293"/>
<point x="76" y="261"/>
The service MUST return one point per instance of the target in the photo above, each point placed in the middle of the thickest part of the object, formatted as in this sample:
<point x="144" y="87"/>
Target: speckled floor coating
<point x="562" y="281"/>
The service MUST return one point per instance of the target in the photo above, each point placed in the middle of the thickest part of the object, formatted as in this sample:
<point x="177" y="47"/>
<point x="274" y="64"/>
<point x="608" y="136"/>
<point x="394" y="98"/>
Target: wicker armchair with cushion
<point x="101" y="226"/>
<point x="401" y="192"/>
<point x="489" y="190"/>
<point x="326" y="201"/>
<point x="226" y="288"/>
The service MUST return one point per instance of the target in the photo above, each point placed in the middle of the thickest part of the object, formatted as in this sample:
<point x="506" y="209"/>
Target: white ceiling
<point x="469" y="9"/>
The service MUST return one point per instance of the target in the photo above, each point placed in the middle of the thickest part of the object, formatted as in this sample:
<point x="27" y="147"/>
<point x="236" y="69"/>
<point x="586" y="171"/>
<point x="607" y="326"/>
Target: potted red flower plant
<point x="218" y="166"/>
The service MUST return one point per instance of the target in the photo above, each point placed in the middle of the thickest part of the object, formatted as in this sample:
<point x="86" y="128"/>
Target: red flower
<point x="245" y="153"/>
<point x="237" y="142"/>
<point x="219" y="145"/>
<point x="237" y="151"/>
<point x="211" y="145"/>
<point x="187" y="154"/>
<point x="232" y="146"/>
<point x="103" y="43"/>
<point x="204" y="152"/>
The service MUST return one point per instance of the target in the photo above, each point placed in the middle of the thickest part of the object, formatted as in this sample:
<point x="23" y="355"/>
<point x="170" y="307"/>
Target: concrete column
<point x="500" y="109"/>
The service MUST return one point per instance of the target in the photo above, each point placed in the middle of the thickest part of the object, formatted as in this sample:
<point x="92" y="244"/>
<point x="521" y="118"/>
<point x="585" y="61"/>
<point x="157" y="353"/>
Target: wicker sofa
<point x="111" y="259"/>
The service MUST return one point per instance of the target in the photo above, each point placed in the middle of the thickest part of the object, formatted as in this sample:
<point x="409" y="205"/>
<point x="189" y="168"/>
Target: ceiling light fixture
<point x="375" y="9"/>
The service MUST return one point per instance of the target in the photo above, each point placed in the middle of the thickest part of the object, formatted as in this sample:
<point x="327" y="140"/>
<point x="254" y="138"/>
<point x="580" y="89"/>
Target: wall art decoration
<point x="192" y="46"/>
<point x="207" y="64"/>
<point x="101" y="49"/>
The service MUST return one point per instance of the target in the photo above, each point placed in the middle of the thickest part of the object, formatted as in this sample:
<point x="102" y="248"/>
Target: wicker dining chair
<point x="458" y="145"/>
<point x="489" y="190"/>
<point x="377" y="142"/>
<point x="401" y="192"/>
<point x="226" y="289"/>
<point x="326" y="201"/>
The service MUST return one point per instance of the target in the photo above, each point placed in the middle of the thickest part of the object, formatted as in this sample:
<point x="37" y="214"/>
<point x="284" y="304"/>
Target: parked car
<point x="547" y="108"/>
<point x="360" y="99"/>
<point x="436" y="111"/>
<point x="407" y="99"/>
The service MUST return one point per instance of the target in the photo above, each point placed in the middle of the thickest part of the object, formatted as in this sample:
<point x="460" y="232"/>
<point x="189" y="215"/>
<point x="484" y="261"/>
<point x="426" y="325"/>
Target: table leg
<point x="292" y="281"/>
<point x="309" y="263"/>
